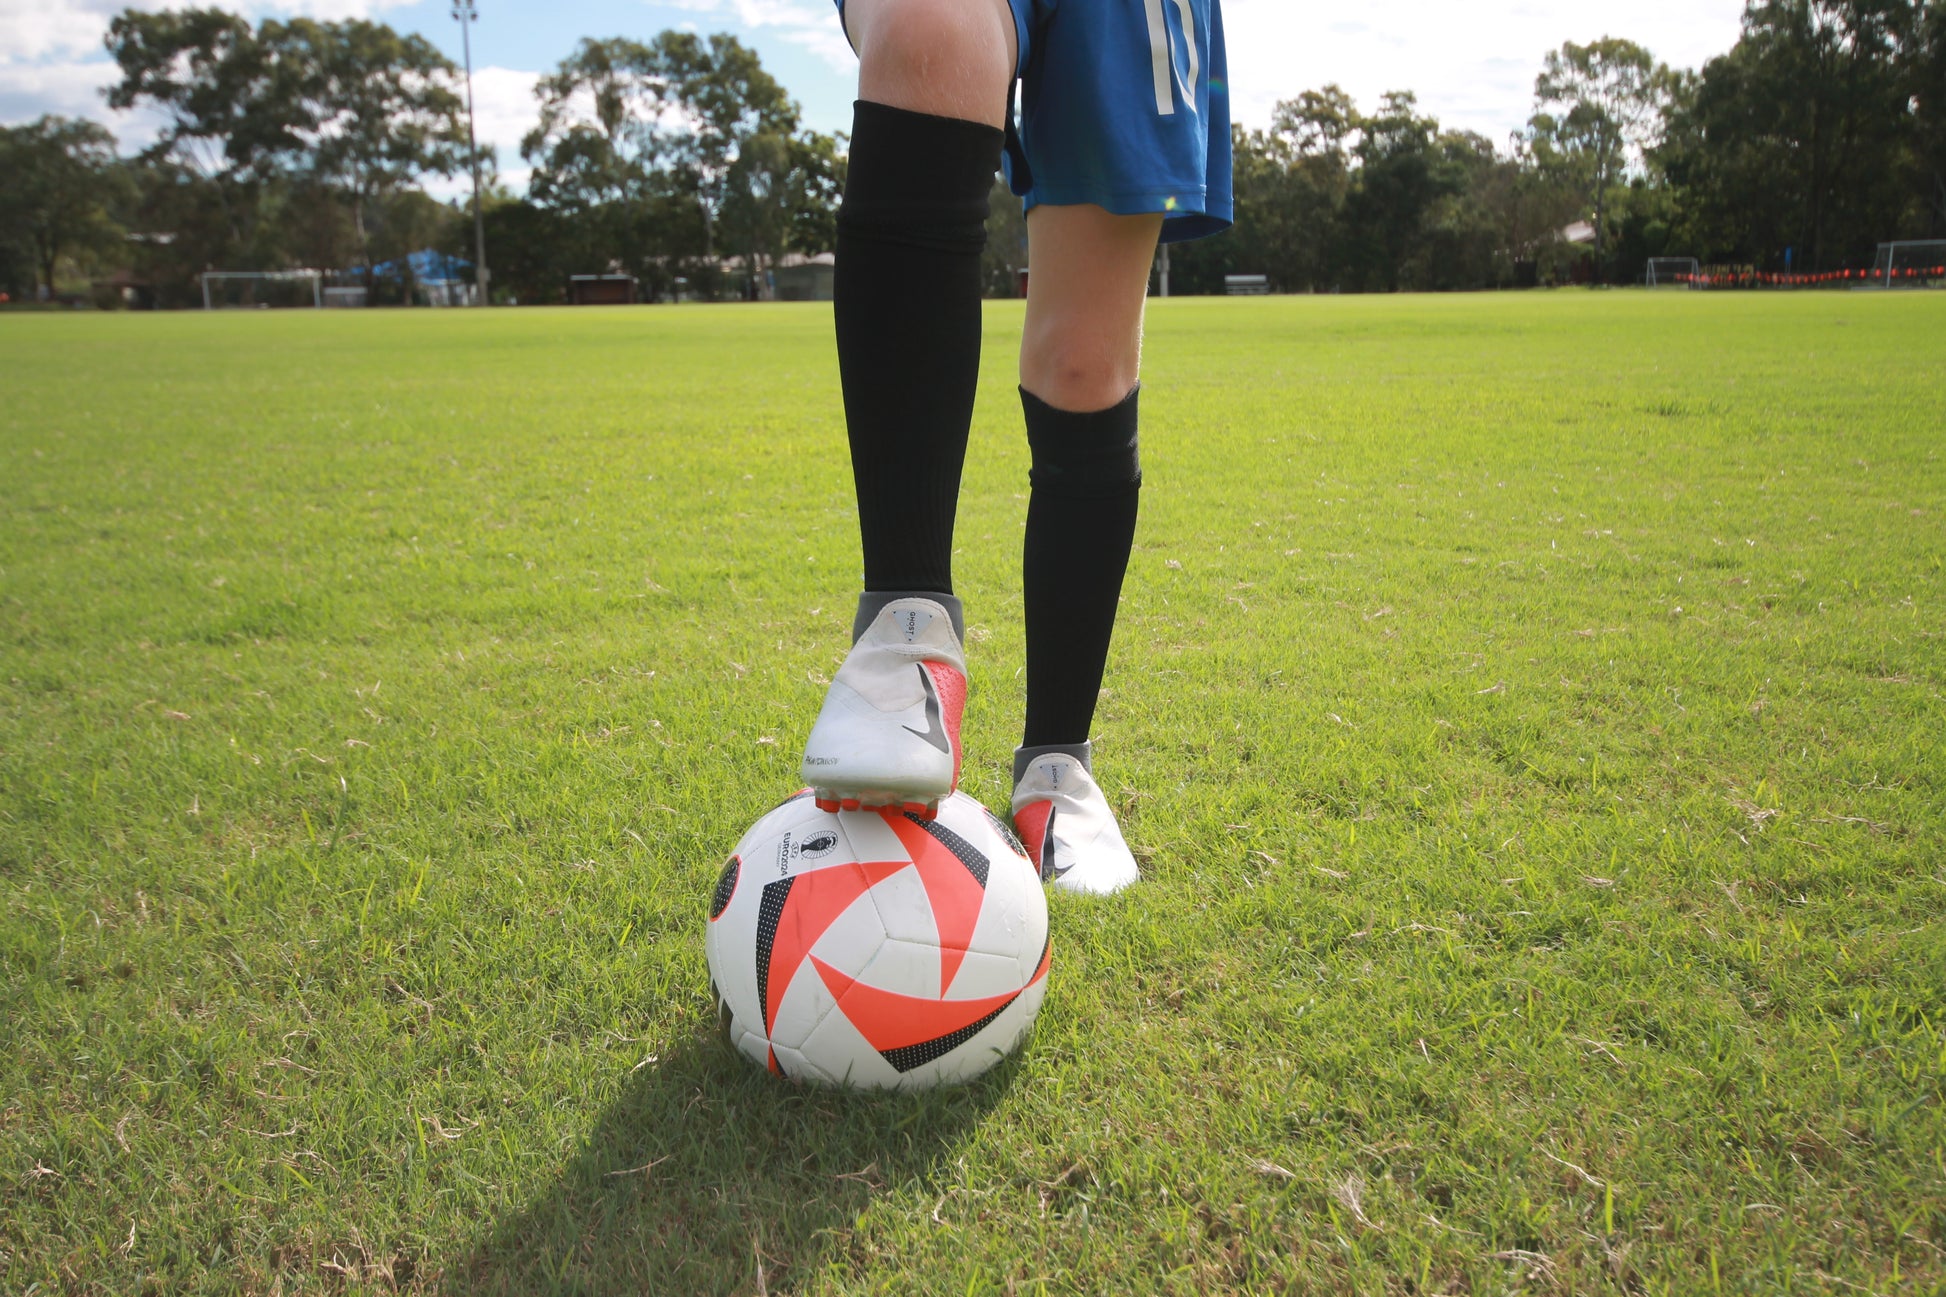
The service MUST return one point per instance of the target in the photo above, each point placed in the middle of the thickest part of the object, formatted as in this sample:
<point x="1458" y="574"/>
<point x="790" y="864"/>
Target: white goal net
<point x="1910" y="263"/>
<point x="1672" y="272"/>
<point x="252" y="290"/>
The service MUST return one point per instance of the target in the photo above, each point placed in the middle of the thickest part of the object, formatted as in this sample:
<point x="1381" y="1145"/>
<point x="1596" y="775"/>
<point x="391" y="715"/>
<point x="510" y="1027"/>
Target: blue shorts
<point x="1124" y="104"/>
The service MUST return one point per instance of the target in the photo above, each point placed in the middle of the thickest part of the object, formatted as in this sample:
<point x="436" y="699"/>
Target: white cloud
<point x="504" y="111"/>
<point x="65" y="86"/>
<point x="1473" y="69"/>
<point x="52" y="59"/>
<point x="459" y="188"/>
<point x="812" y="24"/>
<point x="328" y="10"/>
<point x="504" y="107"/>
<point x="32" y="30"/>
<point x="70" y="88"/>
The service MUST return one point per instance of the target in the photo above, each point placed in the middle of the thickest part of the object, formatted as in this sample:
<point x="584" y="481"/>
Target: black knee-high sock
<point x="910" y="233"/>
<point x="1087" y="479"/>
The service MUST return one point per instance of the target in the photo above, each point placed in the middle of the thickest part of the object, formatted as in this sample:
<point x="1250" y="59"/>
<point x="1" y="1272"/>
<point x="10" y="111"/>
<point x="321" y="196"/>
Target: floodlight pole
<point x="466" y="15"/>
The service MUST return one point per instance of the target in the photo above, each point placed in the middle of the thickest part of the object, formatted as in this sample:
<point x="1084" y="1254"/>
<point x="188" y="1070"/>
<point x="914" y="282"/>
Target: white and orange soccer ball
<point x="876" y="949"/>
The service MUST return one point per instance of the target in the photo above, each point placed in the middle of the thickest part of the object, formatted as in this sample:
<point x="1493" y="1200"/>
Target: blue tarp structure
<point x="438" y="278"/>
<point x="428" y="266"/>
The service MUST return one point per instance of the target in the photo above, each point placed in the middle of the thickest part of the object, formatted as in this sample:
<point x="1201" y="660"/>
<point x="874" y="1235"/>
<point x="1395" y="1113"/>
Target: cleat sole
<point x="868" y="799"/>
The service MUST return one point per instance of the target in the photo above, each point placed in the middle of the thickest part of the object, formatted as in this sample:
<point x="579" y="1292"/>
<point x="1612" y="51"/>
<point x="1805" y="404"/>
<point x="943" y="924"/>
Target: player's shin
<point x="1087" y="479"/>
<point x="910" y="234"/>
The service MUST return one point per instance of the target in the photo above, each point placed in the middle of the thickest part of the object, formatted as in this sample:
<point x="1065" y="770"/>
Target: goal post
<point x="1672" y="272"/>
<point x="261" y="289"/>
<point x="1910" y="263"/>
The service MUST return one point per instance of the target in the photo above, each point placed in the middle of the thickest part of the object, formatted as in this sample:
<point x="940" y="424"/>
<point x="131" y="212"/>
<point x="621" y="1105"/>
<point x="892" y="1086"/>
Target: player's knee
<point x="1075" y="375"/>
<point x="935" y="48"/>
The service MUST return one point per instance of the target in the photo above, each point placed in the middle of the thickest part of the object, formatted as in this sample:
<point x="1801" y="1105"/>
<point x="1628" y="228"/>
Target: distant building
<point x="798" y="278"/>
<point x="602" y="290"/>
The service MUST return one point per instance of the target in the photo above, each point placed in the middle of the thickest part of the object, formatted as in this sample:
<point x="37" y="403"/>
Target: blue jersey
<point x="1124" y="104"/>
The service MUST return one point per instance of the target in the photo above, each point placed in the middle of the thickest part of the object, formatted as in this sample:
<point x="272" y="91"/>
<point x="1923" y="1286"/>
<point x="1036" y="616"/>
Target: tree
<point x="1925" y="78"/>
<point x="1597" y="107"/>
<point x="380" y="109"/>
<point x="781" y="195"/>
<point x="17" y="270"/>
<point x="62" y="177"/>
<point x="233" y="107"/>
<point x="1462" y="243"/>
<point x="1528" y="205"/>
<point x="657" y="150"/>
<point x="262" y="115"/>
<point x="532" y="258"/>
<point x="1400" y="178"/>
<point x="1005" y="254"/>
<point x="622" y="122"/>
<point x="1330" y="198"/>
<point x="1295" y="181"/>
<point x="1801" y="136"/>
<point x="726" y="99"/>
<point x="598" y="140"/>
<point x="818" y="186"/>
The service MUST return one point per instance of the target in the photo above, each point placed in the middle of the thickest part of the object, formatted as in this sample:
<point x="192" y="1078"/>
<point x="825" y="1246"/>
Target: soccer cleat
<point x="1064" y="821"/>
<point x="888" y="734"/>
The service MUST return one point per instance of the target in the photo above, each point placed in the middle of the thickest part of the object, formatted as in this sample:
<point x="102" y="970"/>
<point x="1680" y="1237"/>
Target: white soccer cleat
<point x="888" y="734"/>
<point x="1063" y="818"/>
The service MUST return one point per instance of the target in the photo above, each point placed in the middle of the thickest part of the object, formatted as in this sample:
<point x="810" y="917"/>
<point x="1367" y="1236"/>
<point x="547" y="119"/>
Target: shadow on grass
<point x="706" y="1168"/>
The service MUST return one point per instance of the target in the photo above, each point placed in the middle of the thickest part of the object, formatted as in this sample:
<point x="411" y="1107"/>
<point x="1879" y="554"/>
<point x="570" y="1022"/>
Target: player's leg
<point x="1124" y="107"/>
<point x="926" y="139"/>
<point x="944" y="58"/>
<point x="1080" y="359"/>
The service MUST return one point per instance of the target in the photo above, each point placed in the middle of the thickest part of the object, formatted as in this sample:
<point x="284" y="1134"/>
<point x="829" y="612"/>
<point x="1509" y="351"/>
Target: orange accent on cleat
<point x="950" y="685"/>
<point x="832" y="800"/>
<point x="1031" y="822"/>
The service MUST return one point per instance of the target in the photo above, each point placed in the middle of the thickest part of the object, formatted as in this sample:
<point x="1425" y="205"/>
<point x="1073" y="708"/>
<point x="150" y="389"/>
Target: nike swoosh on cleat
<point x="1050" y="870"/>
<point x="932" y="733"/>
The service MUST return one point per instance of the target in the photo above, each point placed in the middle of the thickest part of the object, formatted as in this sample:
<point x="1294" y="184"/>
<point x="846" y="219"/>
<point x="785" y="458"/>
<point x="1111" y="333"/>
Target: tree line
<point x="1819" y="134"/>
<point x="681" y="160"/>
<point x="309" y="144"/>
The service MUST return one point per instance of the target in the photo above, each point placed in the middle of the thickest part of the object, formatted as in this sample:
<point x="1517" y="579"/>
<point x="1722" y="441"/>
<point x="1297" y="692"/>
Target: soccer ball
<point x="875" y="949"/>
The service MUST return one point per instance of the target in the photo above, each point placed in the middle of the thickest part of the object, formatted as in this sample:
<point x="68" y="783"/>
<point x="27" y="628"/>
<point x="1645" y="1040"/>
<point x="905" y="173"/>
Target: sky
<point x="1472" y="66"/>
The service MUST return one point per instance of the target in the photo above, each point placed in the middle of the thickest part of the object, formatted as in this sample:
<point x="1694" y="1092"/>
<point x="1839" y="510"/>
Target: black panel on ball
<point x="769" y="915"/>
<point x="907" y="1057"/>
<point x="726" y="887"/>
<point x="969" y="855"/>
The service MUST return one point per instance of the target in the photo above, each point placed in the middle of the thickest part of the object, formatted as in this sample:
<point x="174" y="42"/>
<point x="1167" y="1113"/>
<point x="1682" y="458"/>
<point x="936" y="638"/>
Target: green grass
<point x="1527" y="708"/>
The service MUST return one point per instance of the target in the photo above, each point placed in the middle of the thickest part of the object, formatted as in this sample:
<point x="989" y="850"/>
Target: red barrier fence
<point x="1745" y="277"/>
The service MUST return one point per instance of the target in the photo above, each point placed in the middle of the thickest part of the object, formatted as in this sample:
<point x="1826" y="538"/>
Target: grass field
<point x="1527" y="708"/>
